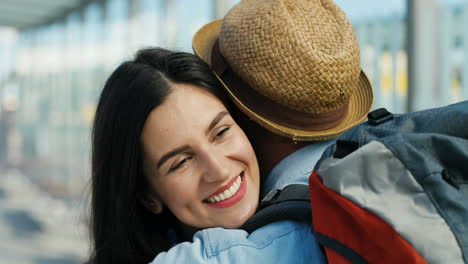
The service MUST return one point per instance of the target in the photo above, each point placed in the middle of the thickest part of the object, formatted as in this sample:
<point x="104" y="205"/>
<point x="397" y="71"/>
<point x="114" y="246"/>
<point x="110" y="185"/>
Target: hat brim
<point x="360" y="101"/>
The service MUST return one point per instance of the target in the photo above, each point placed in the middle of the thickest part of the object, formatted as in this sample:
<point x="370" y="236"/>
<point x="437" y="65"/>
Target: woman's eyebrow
<point x="170" y="154"/>
<point x="216" y="120"/>
<point x="178" y="150"/>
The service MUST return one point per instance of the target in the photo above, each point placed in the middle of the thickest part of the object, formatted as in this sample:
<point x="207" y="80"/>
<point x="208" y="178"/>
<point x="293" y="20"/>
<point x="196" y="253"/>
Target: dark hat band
<point x="268" y="108"/>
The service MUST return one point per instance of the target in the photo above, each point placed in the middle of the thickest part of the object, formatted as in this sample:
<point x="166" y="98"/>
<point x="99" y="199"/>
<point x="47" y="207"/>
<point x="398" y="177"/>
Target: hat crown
<point x="300" y="53"/>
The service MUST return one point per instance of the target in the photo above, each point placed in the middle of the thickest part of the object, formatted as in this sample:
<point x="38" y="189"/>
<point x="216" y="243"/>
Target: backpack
<point x="393" y="189"/>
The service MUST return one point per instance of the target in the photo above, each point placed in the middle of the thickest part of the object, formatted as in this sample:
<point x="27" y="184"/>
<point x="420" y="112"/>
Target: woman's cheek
<point x="175" y="188"/>
<point x="241" y="145"/>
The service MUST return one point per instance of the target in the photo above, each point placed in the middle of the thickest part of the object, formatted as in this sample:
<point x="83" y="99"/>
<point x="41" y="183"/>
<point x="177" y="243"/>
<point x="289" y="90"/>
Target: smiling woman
<point x="199" y="162"/>
<point x="168" y="158"/>
<point x="202" y="166"/>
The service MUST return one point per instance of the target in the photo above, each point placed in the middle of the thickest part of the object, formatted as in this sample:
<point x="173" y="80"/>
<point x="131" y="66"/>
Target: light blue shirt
<point x="279" y="242"/>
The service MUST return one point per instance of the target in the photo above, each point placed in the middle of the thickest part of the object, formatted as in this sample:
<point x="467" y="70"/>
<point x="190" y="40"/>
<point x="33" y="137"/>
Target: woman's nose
<point x="216" y="167"/>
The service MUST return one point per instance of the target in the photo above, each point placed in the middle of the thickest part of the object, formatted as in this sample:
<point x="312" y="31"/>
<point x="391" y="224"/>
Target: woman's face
<point x="199" y="161"/>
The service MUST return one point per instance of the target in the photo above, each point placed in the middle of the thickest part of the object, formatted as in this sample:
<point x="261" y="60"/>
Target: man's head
<point x="292" y="66"/>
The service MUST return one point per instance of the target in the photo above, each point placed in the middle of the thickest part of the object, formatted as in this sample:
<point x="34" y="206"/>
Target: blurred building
<point x="56" y="54"/>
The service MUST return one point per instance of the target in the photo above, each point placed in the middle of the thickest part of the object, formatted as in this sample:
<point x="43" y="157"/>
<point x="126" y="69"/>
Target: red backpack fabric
<point x="339" y="223"/>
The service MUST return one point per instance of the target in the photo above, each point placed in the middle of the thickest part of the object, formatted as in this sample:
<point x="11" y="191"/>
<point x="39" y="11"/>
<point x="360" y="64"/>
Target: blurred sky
<point x="364" y="9"/>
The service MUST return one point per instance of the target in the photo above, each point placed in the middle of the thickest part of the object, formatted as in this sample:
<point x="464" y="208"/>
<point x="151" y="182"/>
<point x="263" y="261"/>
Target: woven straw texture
<point x="302" y="54"/>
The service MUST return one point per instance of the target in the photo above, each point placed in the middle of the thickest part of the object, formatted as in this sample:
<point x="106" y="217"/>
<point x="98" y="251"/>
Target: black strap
<point x="340" y="248"/>
<point x="344" y="148"/>
<point x="290" y="203"/>
<point x="379" y="116"/>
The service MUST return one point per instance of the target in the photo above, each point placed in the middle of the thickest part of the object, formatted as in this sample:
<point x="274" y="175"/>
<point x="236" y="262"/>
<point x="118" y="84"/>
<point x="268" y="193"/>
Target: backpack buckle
<point x="379" y="116"/>
<point x="292" y="192"/>
<point x="270" y="198"/>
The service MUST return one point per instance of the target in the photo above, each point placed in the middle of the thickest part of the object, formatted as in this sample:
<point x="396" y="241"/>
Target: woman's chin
<point x="240" y="217"/>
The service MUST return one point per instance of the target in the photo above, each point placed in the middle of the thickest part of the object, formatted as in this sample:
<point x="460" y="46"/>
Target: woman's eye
<point x="222" y="132"/>
<point x="179" y="164"/>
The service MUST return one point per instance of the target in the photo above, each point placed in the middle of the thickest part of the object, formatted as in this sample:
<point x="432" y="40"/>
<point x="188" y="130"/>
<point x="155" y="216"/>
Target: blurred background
<point x="56" y="54"/>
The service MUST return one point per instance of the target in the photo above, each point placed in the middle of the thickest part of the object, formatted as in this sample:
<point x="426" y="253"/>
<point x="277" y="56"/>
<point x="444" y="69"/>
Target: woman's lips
<point x="228" y="194"/>
<point x="225" y="187"/>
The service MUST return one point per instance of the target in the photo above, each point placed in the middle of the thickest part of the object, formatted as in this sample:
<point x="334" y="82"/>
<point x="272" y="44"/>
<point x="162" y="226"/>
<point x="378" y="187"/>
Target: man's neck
<point x="270" y="154"/>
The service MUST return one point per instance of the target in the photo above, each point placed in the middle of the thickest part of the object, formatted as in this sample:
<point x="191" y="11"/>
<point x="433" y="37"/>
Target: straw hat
<point x="291" y="65"/>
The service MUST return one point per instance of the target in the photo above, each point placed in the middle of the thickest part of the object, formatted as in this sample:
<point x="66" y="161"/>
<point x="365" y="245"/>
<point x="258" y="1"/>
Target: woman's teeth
<point x="227" y="193"/>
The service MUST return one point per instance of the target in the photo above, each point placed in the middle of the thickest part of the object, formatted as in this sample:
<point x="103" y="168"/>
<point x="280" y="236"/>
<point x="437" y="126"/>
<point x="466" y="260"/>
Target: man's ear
<point x="152" y="203"/>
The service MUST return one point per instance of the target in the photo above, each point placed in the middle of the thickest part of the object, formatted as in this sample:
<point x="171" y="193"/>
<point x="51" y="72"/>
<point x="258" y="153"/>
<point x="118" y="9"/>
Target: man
<point x="292" y="67"/>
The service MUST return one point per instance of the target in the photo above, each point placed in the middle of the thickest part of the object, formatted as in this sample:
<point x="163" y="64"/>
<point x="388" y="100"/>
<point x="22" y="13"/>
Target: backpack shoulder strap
<point x="290" y="203"/>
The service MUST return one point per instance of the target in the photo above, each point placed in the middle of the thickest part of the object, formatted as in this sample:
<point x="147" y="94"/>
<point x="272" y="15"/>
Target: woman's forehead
<point x="185" y="114"/>
<point x="187" y="105"/>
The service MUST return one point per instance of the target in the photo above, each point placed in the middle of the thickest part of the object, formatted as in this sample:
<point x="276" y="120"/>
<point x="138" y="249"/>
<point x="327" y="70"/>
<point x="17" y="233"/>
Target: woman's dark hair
<point x="123" y="230"/>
